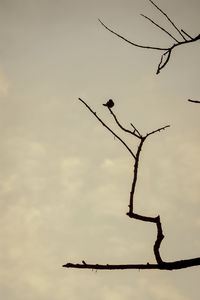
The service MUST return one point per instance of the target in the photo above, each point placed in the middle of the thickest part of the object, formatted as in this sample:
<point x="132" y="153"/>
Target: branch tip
<point x="194" y="101"/>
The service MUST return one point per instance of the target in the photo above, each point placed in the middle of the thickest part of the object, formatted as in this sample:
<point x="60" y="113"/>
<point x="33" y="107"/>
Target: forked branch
<point x="107" y="127"/>
<point x="136" y="157"/>
<point x="165" y="57"/>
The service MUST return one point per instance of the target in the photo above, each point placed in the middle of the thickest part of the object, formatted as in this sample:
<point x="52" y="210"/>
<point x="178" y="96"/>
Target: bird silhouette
<point x="109" y="104"/>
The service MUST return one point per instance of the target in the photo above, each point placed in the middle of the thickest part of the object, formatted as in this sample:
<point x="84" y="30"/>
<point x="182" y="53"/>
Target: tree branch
<point x="189" y="36"/>
<point x="168" y="51"/>
<point x="131" y="213"/>
<point x="174" y="265"/>
<point x="160" y="27"/>
<point x="135" y="130"/>
<point x="128" y="41"/>
<point x="194" y="101"/>
<point x="136" y="156"/>
<point x="161" y="65"/>
<point x="157" y="130"/>
<point x="168" y="19"/>
<point x="96" y="116"/>
<point x="124" y="129"/>
<point x="135" y="175"/>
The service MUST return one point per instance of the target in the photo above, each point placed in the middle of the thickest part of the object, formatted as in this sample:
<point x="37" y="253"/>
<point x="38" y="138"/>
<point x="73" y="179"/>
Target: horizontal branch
<point x="175" y="265"/>
<point x="194" y="101"/>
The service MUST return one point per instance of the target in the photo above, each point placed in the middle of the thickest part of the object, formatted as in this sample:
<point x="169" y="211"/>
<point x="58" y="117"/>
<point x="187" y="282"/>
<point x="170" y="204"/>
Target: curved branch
<point x="161" y="64"/>
<point x="126" y="40"/>
<point x="124" y="129"/>
<point x="160" y="235"/>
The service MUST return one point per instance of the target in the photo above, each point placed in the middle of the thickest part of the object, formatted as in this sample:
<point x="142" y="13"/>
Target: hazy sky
<point x="65" y="181"/>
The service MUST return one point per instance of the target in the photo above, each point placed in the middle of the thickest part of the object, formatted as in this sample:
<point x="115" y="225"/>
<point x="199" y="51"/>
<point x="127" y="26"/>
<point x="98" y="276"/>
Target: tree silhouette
<point x="165" y="57"/>
<point x="141" y="138"/>
<point x="162" y="265"/>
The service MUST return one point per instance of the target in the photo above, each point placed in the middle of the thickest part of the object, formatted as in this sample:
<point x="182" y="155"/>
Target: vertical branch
<point x="132" y="214"/>
<point x="135" y="174"/>
<point x="158" y="241"/>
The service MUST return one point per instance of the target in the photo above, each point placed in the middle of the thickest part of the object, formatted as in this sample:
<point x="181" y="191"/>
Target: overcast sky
<point x="64" y="180"/>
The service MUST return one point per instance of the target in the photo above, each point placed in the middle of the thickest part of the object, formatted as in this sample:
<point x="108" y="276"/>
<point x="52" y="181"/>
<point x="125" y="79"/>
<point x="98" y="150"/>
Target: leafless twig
<point x="160" y="27"/>
<point x="109" y="129"/>
<point x="168" y="19"/>
<point x="165" y="57"/>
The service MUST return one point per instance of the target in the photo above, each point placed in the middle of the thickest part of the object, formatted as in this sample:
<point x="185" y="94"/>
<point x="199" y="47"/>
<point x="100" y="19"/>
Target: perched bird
<point x="84" y="263"/>
<point x="109" y="104"/>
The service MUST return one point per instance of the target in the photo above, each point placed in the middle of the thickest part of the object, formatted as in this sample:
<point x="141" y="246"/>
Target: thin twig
<point x="160" y="27"/>
<point x="189" y="36"/>
<point x="161" y="64"/>
<point x="120" y="126"/>
<point x="168" y="19"/>
<point x="109" y="129"/>
<point x="165" y="56"/>
<point x="157" y="130"/>
<point x="135" y="130"/>
<point x="128" y="41"/>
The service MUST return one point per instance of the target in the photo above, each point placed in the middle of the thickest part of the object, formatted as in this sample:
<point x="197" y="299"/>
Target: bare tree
<point x="135" y="133"/>
<point x="160" y="264"/>
<point x="185" y="38"/>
